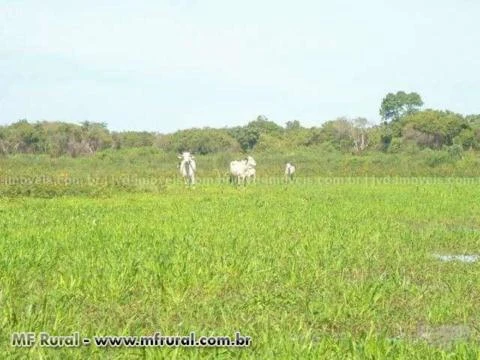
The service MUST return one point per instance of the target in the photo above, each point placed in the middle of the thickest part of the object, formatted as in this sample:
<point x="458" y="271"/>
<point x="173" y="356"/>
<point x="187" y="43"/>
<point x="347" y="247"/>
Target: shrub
<point x="455" y="151"/>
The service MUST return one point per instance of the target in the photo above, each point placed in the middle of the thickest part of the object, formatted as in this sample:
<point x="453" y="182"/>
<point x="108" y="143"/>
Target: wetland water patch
<point x="461" y="258"/>
<point x="444" y="334"/>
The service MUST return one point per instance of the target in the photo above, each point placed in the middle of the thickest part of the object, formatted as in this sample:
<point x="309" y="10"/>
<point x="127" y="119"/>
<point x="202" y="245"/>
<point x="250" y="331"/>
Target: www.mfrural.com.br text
<point x="45" y="339"/>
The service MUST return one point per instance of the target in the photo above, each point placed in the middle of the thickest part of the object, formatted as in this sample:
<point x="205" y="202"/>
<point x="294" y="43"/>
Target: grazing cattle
<point x="188" y="167"/>
<point x="240" y="170"/>
<point x="289" y="171"/>
<point x="251" y="162"/>
<point x="251" y="174"/>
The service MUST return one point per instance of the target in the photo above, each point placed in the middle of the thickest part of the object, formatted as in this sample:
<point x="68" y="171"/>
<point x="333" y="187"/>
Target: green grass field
<point x="307" y="270"/>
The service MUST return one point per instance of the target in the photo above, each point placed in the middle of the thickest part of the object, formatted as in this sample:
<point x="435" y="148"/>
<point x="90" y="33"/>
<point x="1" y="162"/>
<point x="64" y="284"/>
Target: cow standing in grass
<point x="251" y="174"/>
<point x="240" y="170"/>
<point x="188" y="167"/>
<point x="289" y="171"/>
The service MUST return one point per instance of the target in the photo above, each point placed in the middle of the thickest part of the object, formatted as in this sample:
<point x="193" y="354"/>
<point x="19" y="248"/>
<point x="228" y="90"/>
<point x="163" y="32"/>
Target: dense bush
<point x="408" y="131"/>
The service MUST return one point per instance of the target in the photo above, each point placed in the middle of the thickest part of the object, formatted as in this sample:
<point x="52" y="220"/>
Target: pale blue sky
<point x="168" y="65"/>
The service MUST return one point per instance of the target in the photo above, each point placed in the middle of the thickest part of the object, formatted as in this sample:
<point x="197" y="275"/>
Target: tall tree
<point x="293" y="125"/>
<point x="359" y="133"/>
<point x="265" y="126"/>
<point x="395" y="106"/>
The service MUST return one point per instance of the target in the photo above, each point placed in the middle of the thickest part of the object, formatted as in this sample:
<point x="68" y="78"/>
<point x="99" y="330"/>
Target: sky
<point x="162" y="66"/>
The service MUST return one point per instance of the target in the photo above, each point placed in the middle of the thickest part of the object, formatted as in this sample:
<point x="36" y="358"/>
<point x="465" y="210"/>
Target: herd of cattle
<point x="241" y="171"/>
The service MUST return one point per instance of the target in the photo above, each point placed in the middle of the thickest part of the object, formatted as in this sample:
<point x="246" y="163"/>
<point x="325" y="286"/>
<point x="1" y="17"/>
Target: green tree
<point x="395" y="106"/>
<point x="338" y="132"/>
<point x="433" y="128"/>
<point x="26" y="137"/>
<point x="95" y="136"/>
<point x="265" y="126"/>
<point x="293" y="125"/>
<point x="247" y="137"/>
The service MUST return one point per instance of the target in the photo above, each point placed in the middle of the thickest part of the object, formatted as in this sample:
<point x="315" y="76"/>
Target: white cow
<point x="251" y="174"/>
<point x="240" y="170"/>
<point x="289" y="171"/>
<point x="188" y="167"/>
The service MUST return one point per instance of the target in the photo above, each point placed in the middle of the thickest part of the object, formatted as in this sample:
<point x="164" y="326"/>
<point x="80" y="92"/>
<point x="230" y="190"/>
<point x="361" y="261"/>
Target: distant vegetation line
<point x="405" y="128"/>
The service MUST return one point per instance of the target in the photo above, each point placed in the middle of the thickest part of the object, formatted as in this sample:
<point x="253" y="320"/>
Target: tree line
<point x="405" y="126"/>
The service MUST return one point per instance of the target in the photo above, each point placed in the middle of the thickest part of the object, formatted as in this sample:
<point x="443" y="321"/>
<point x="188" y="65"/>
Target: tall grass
<point x="306" y="270"/>
<point x="149" y="170"/>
